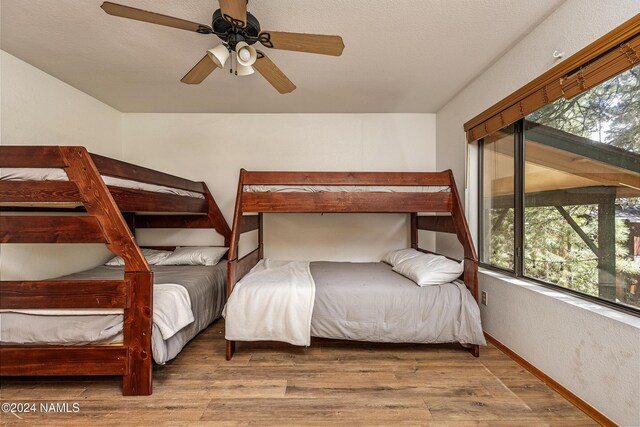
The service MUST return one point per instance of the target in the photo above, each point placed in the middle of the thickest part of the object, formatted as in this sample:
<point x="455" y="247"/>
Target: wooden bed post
<point x="138" y="323"/>
<point x="414" y="230"/>
<point x="470" y="274"/>
<point x="233" y="253"/>
<point x="99" y="203"/>
<point x="215" y="216"/>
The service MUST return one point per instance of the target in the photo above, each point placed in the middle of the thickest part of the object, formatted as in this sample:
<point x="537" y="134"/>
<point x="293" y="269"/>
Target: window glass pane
<point x="582" y="191"/>
<point x="498" y="199"/>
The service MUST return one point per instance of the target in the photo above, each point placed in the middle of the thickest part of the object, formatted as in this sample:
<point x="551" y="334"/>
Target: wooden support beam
<point x="63" y="360"/>
<point x="64" y="294"/>
<point x="215" y="216"/>
<point x="586" y="239"/>
<point x="100" y="204"/>
<point x="413" y="230"/>
<point x="137" y="334"/>
<point x="50" y="229"/>
<point x="607" y="248"/>
<point x="260" y="235"/>
<point x="569" y="197"/>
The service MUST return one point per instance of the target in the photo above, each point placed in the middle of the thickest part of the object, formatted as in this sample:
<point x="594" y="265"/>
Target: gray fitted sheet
<point x="206" y="286"/>
<point x="370" y="302"/>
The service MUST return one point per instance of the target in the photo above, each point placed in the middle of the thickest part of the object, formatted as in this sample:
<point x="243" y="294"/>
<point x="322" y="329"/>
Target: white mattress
<point x="346" y="189"/>
<point x="58" y="174"/>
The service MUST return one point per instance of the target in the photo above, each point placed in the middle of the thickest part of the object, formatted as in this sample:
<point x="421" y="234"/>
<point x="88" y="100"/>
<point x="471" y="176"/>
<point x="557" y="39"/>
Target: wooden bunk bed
<point x="112" y="214"/>
<point x="446" y="205"/>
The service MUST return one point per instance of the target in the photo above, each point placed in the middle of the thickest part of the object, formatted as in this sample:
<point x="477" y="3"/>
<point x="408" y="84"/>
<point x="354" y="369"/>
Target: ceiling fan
<point x="238" y="30"/>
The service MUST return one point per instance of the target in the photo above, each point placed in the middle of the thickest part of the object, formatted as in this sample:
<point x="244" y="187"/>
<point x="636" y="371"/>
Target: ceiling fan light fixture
<point x="246" y="54"/>
<point x="219" y="55"/>
<point x="244" y="70"/>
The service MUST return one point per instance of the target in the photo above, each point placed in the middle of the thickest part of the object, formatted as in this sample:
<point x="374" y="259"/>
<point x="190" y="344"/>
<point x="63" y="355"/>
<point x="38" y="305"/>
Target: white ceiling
<point x="400" y="55"/>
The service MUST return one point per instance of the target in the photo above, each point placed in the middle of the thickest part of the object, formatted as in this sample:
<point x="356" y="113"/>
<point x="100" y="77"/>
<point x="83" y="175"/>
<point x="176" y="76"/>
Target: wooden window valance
<point x="612" y="54"/>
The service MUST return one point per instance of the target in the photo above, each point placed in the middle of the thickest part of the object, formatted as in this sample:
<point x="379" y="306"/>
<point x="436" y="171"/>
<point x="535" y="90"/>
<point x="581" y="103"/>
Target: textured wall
<point x="213" y="148"/>
<point x="37" y="109"/>
<point x="595" y="355"/>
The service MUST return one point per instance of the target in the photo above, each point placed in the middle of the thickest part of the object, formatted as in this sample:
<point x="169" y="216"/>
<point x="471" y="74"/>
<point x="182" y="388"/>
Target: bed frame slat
<point x="31" y="157"/>
<point x="246" y="263"/>
<point x="346" y="202"/>
<point x="443" y="224"/>
<point x="249" y="223"/>
<point x="63" y="360"/>
<point x="129" y="200"/>
<point x="347" y="178"/>
<point x="172" y="221"/>
<point x="50" y="229"/>
<point x="124" y="170"/>
<point x="64" y="294"/>
<point x="39" y="192"/>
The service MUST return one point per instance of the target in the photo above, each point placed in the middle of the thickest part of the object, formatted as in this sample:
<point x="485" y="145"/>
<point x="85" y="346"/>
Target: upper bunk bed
<point x="412" y="193"/>
<point x="105" y="201"/>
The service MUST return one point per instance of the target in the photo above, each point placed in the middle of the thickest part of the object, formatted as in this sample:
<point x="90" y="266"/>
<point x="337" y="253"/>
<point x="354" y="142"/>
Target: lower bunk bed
<point x="186" y="300"/>
<point x="278" y="301"/>
<point x="291" y="301"/>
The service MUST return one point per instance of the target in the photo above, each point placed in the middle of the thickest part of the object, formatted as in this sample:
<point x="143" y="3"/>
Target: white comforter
<point x="171" y="309"/>
<point x="273" y="302"/>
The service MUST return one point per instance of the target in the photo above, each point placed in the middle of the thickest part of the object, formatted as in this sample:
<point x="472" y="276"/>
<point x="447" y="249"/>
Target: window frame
<point x="518" y="272"/>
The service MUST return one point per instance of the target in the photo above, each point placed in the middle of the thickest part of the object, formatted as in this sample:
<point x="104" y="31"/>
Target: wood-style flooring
<point x="329" y="383"/>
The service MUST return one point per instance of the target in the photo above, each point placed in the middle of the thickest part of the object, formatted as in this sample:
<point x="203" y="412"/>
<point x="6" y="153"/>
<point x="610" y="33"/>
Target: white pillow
<point x="153" y="257"/>
<point x="396" y="256"/>
<point x="430" y="269"/>
<point x="195" y="255"/>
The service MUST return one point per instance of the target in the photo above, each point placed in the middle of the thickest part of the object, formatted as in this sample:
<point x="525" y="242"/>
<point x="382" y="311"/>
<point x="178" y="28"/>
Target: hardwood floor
<point x="331" y="382"/>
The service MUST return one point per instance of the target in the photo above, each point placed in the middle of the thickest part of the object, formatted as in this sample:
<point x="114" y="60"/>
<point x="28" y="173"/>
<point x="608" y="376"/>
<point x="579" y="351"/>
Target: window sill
<point x="580" y="303"/>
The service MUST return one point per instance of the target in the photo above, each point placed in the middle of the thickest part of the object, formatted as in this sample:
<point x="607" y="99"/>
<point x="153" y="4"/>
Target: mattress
<point x="371" y="302"/>
<point x="346" y="189"/>
<point x="206" y="286"/>
<point x="58" y="174"/>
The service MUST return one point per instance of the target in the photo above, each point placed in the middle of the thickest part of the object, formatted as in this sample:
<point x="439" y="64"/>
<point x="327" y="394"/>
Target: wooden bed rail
<point x="350" y="202"/>
<point x="348" y="178"/>
<point x="119" y="169"/>
<point x="12" y="156"/>
<point x="59" y="294"/>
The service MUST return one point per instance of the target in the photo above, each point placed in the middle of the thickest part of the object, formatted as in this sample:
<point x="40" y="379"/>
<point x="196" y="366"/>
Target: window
<point x="498" y="199"/>
<point x="575" y="168"/>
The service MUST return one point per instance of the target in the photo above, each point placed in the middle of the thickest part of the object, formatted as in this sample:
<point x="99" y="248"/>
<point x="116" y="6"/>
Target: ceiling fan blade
<point x="272" y="74"/>
<point x="299" y="42"/>
<point x="154" y="18"/>
<point x="200" y="71"/>
<point x="234" y="11"/>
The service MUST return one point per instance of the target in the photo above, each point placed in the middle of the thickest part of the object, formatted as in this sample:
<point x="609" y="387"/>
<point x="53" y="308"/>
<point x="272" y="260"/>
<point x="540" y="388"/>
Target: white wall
<point x="213" y="148"/>
<point x="38" y="109"/>
<point x="596" y="356"/>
